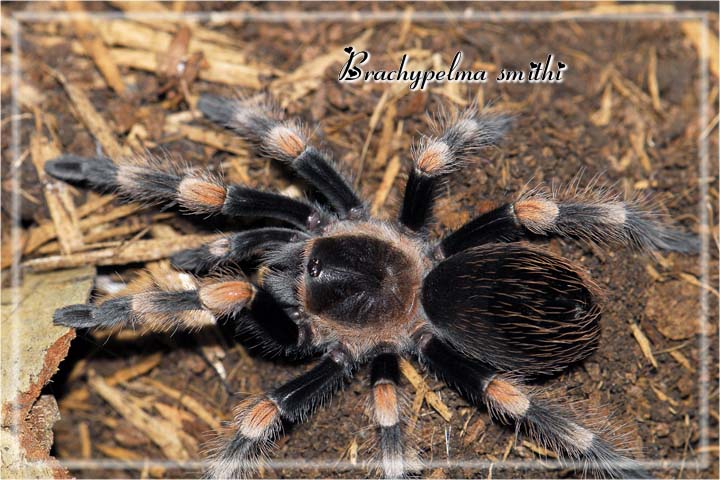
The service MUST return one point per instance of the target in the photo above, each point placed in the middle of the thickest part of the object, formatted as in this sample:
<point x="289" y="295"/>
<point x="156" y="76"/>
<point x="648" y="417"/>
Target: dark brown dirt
<point x="554" y="139"/>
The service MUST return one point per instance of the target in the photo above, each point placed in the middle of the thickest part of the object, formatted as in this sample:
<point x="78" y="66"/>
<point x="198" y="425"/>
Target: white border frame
<point x="700" y="463"/>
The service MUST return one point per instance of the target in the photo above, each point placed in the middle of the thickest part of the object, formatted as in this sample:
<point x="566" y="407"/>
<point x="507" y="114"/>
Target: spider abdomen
<point x="513" y="306"/>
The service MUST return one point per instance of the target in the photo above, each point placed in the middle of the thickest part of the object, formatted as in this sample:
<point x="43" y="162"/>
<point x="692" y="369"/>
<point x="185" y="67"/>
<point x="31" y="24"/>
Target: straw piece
<point x="85" y="445"/>
<point x="121" y="376"/>
<point x="391" y="173"/>
<point x="134" y="35"/>
<point x="217" y="139"/>
<point x="86" y="31"/>
<point x="602" y="117"/>
<point x="138" y="251"/>
<point x="199" y="32"/>
<point x="431" y="397"/>
<point x="90" y="117"/>
<point x="44" y="233"/>
<point x="682" y="360"/>
<point x="57" y="196"/>
<point x="161" y="432"/>
<point x="705" y="42"/>
<point x="644" y="343"/>
<point x="188" y="402"/>
<point x="653" y="87"/>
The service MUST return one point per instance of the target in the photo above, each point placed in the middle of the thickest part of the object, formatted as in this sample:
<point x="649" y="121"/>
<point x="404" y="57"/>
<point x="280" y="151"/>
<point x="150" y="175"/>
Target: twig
<point x="430" y="397"/>
<point x="190" y="403"/>
<point x="141" y="251"/>
<point x="90" y="117"/>
<point x="644" y="343"/>
<point x="87" y="32"/>
<point x="161" y="432"/>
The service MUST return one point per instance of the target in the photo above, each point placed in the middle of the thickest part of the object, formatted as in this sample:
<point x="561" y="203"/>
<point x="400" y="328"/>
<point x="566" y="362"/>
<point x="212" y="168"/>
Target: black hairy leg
<point x="234" y="248"/>
<point x="258" y="420"/>
<point x="535" y="312"/>
<point x="162" y="308"/>
<point x="196" y="192"/>
<point x="262" y="126"/>
<point x="275" y="327"/>
<point x="597" y="217"/>
<point x="458" y="138"/>
<point x="547" y="423"/>
<point x="386" y="413"/>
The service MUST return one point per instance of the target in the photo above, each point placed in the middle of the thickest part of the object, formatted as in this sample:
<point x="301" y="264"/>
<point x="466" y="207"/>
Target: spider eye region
<point x="356" y="279"/>
<point x="314" y="267"/>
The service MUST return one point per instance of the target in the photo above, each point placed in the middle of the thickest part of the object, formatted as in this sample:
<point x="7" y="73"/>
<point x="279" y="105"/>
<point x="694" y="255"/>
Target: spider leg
<point x="162" y="310"/>
<point x="384" y="377"/>
<point x="258" y="419"/>
<point x="195" y="192"/>
<point x="460" y="137"/>
<point x="545" y="422"/>
<point x="236" y="247"/>
<point x="191" y="309"/>
<point x="600" y="220"/>
<point x="272" y="137"/>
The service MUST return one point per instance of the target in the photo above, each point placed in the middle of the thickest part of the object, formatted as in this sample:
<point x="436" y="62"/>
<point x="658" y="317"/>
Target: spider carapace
<point x="482" y="308"/>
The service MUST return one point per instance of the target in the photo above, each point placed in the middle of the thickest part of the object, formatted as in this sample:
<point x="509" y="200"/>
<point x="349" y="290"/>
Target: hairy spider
<point x="480" y="308"/>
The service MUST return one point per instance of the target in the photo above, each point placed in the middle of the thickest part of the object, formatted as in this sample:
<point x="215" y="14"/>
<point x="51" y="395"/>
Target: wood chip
<point x="85" y="445"/>
<point x="474" y="431"/>
<point x="138" y="251"/>
<point x="682" y="360"/>
<point x="602" y="117"/>
<point x="177" y="416"/>
<point x="508" y="448"/>
<point x="214" y="138"/>
<point x="612" y="7"/>
<point x="119" y="453"/>
<point x="140" y="368"/>
<point x="705" y="42"/>
<point x="57" y="196"/>
<point x="431" y="397"/>
<point x="693" y="280"/>
<point x="90" y="117"/>
<point x="663" y="397"/>
<point x="161" y="432"/>
<point x="415" y="408"/>
<point x="374" y="119"/>
<point x="308" y="76"/>
<point x="130" y="34"/>
<point x="644" y="343"/>
<point x="653" y="87"/>
<point x="386" y="137"/>
<point x="86" y="31"/>
<point x="99" y="235"/>
<point x="539" y="450"/>
<point x="629" y="90"/>
<point x="353" y="452"/>
<point x="391" y="173"/>
<point x="217" y="72"/>
<point x="188" y="402"/>
<point x="121" y="376"/>
<point x="637" y="140"/>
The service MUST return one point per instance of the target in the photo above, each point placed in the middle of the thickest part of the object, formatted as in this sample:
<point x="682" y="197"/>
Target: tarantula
<point x="480" y="308"/>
